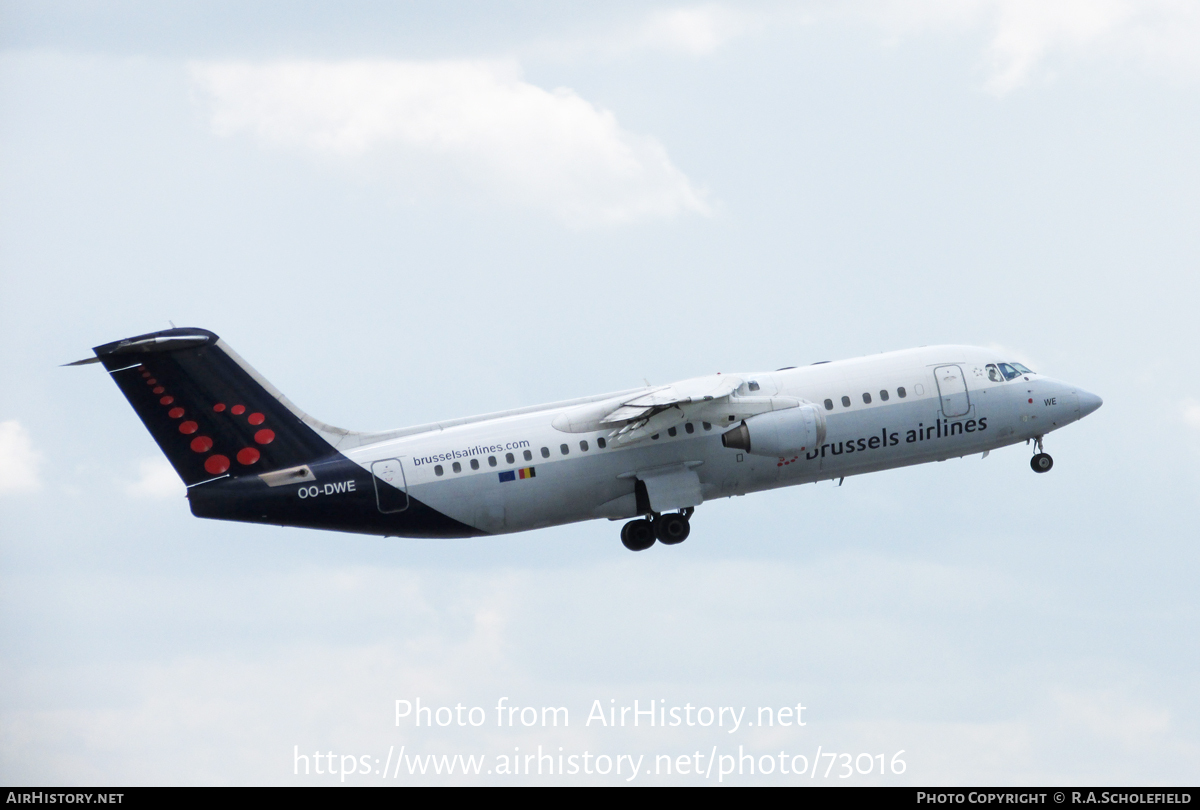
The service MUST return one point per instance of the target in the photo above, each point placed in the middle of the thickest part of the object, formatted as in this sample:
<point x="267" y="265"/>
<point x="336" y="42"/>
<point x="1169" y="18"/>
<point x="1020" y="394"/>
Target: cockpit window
<point x="1008" y="371"/>
<point x="1021" y="368"/>
<point x="994" y="373"/>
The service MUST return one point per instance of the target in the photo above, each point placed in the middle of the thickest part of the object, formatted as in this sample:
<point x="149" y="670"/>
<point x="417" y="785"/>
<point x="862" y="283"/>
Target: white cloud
<point x="1110" y="714"/>
<point x="477" y="122"/>
<point x="696" y="31"/>
<point x="156" y="479"/>
<point x="1024" y="35"/>
<point x="233" y="672"/>
<point x="1191" y="413"/>
<point x="693" y="31"/>
<point x="19" y="460"/>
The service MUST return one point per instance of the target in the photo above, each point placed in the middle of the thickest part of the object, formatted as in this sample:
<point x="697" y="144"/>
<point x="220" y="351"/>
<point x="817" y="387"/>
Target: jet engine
<point x="778" y="433"/>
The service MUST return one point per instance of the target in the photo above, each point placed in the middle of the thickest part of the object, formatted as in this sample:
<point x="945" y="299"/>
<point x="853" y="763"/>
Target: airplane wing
<point x="699" y="389"/>
<point x="639" y="416"/>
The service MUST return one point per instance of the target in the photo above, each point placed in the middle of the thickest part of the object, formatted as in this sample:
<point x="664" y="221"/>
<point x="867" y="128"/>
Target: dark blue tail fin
<point x="211" y="414"/>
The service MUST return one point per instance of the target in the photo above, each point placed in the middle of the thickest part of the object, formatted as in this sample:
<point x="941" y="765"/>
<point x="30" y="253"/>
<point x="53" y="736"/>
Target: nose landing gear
<point x="669" y="529"/>
<point x="1041" y="462"/>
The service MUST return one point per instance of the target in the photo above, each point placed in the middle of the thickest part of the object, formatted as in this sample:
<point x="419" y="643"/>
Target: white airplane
<point x="652" y="454"/>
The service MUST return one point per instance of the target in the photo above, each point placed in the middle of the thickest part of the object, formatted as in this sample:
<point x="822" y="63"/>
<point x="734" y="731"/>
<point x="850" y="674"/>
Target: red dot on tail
<point x="215" y="465"/>
<point x="220" y="406"/>
<point x="158" y="389"/>
<point x="264" y="436"/>
<point x="175" y="413"/>
<point x="238" y="410"/>
<point x="189" y="427"/>
<point x="151" y="381"/>
<point x="247" y="455"/>
<point x="201" y="444"/>
<point x="146" y="374"/>
<point x="256" y="418"/>
<point x="166" y="400"/>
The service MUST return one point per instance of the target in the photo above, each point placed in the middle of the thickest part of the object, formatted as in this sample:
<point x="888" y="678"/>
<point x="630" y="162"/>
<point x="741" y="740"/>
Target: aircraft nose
<point x="1088" y="403"/>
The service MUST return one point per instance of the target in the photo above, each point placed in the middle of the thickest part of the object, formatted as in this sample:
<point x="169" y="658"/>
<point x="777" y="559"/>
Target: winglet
<point x="85" y="361"/>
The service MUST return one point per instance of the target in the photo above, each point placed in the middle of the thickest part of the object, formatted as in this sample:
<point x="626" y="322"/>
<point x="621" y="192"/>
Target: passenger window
<point x="994" y="373"/>
<point x="508" y="458"/>
<point x="845" y="402"/>
<point x="456" y="467"/>
<point x="883" y="395"/>
<point x="437" y="469"/>
<point x="564" y="449"/>
<point x="829" y="404"/>
<point x="601" y="443"/>
<point x="671" y="431"/>
<point x="545" y="452"/>
<point x="474" y="464"/>
<point x="688" y="427"/>
<point x="654" y="437"/>
<point x="867" y="398"/>
<point x="583" y="446"/>
<point x="707" y="426"/>
<point x="753" y="385"/>
<point x="900" y="392"/>
<point x="528" y="456"/>
<point x="491" y="461"/>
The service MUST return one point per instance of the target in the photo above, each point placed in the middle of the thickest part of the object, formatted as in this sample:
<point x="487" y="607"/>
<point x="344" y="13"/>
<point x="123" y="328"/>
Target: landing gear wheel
<point x="1041" y="463"/>
<point x="671" y="529"/>
<point x="637" y="535"/>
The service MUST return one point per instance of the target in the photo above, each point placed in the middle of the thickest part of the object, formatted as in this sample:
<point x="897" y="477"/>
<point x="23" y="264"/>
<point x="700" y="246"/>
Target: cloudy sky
<point x="405" y="213"/>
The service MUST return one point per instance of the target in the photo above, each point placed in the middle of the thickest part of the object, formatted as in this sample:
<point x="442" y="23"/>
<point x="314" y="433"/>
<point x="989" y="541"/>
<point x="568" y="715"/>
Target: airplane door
<point x="391" y="492"/>
<point x="952" y="388"/>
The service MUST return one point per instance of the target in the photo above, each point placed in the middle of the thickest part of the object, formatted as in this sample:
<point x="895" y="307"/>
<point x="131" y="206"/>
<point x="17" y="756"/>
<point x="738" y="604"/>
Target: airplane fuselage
<point x="517" y="471"/>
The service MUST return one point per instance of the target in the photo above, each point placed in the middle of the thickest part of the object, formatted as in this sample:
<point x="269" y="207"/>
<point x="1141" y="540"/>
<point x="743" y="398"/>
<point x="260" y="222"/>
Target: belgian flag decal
<point x="513" y="475"/>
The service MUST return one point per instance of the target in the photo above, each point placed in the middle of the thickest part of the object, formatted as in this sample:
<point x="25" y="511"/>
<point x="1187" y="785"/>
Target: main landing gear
<point x="669" y="529"/>
<point x="1041" y="462"/>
